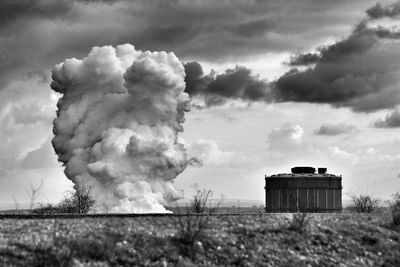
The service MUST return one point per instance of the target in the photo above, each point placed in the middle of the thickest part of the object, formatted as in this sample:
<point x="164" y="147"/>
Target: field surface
<point x="247" y="240"/>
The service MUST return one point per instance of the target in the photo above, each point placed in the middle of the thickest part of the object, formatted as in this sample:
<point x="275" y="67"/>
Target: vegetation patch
<point x="247" y="240"/>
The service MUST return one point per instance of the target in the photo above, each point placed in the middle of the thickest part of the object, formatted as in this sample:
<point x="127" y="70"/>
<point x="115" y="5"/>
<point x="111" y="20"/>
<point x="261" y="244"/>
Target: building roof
<point x="311" y="175"/>
<point x="305" y="172"/>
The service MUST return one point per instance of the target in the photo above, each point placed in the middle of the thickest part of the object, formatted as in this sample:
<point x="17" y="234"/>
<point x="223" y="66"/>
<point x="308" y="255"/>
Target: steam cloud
<point x="117" y="126"/>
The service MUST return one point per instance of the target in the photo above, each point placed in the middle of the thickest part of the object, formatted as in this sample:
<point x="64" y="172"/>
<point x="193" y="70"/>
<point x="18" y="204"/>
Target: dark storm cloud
<point x="324" y="82"/>
<point x="196" y="81"/>
<point x="237" y="83"/>
<point x="304" y="59"/>
<point x="360" y="72"/>
<point x="19" y="36"/>
<point x="335" y="129"/>
<point x="378" y="11"/>
<point x="41" y="75"/>
<point x="252" y="28"/>
<point x="36" y="34"/>
<point x="12" y="10"/>
<point x="98" y="1"/>
<point x="387" y="33"/>
<point x="391" y="120"/>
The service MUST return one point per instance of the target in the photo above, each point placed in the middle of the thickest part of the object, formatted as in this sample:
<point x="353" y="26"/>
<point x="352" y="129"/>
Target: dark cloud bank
<point x="378" y="11"/>
<point x="12" y="10"/>
<point x="361" y="72"/>
<point x="36" y="34"/>
<point x="237" y="83"/>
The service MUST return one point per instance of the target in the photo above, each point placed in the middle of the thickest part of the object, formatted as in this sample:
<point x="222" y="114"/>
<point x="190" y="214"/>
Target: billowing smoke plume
<point x="117" y="126"/>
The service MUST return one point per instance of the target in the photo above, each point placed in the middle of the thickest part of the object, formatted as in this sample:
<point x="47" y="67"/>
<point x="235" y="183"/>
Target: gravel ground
<point x="246" y="240"/>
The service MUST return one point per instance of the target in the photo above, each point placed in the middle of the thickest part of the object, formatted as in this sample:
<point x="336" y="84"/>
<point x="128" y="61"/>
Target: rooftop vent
<point x="303" y="170"/>
<point x="322" y="170"/>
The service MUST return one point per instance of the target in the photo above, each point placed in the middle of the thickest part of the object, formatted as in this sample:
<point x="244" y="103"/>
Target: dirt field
<point x="247" y="240"/>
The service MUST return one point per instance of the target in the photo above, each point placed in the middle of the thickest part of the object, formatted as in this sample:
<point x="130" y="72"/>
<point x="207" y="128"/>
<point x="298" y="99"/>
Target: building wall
<point x="303" y="194"/>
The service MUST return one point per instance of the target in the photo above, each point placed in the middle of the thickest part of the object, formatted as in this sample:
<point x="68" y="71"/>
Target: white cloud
<point x="26" y="114"/>
<point x="209" y="152"/>
<point x="41" y="158"/>
<point x="288" y="136"/>
<point x="373" y="156"/>
<point x="16" y="184"/>
<point x="343" y="155"/>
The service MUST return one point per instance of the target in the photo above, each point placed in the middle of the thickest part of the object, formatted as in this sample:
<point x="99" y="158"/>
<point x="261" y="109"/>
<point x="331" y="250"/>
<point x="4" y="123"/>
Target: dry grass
<point x="350" y="239"/>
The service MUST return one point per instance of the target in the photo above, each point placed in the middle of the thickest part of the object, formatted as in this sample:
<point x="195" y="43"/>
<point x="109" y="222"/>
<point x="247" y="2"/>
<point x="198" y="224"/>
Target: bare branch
<point x="34" y="193"/>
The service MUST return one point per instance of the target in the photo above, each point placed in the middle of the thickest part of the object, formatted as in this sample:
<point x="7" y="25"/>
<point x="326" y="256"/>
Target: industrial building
<point x="303" y="190"/>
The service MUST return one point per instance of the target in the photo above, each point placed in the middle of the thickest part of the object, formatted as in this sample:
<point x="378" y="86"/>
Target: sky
<point x="273" y="84"/>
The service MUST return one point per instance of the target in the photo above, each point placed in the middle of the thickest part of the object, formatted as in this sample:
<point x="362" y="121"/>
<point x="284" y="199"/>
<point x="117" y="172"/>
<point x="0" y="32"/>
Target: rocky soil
<point x="345" y="239"/>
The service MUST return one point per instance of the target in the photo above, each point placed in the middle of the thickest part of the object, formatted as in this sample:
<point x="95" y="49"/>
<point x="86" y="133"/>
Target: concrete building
<point x="303" y="190"/>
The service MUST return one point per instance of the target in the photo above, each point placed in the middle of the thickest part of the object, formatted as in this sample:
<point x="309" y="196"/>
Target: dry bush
<point x="44" y="209"/>
<point x="395" y="209"/>
<point x="200" y="201"/>
<point x="196" y="220"/>
<point x="33" y="194"/>
<point x="191" y="226"/>
<point x="299" y="223"/>
<point x="80" y="201"/>
<point x="364" y="203"/>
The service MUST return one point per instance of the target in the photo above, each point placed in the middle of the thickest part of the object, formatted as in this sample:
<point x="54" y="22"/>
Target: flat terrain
<point x="345" y="239"/>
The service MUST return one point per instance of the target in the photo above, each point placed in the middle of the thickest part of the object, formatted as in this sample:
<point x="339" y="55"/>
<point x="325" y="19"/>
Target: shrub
<point x="200" y="200"/>
<point x="191" y="226"/>
<point x="395" y="208"/>
<point x="33" y="194"/>
<point x="299" y="223"/>
<point x="44" y="209"/>
<point x="364" y="203"/>
<point x="196" y="220"/>
<point x="79" y="201"/>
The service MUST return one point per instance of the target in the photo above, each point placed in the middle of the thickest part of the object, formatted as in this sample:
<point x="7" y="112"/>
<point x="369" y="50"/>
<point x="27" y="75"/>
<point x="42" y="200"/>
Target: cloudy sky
<point x="274" y="84"/>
